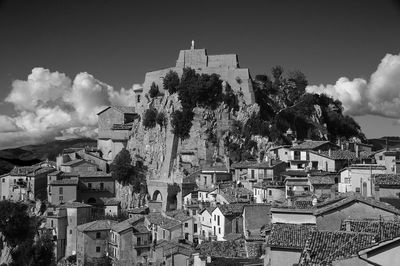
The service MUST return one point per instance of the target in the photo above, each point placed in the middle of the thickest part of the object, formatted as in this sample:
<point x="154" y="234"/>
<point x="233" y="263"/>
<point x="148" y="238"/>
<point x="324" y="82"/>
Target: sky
<point x="61" y="61"/>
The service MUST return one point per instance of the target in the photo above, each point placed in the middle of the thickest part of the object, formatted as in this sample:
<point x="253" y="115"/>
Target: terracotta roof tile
<point x="291" y="236"/>
<point x="383" y="180"/>
<point x="126" y="224"/>
<point x="231" y="209"/>
<point x="227" y="249"/>
<point x="321" y="180"/>
<point x="383" y="230"/>
<point x="65" y="182"/>
<point x="310" y="145"/>
<point x="162" y="221"/>
<point x="337" y="154"/>
<point x="97" y="225"/>
<point x="323" y="247"/>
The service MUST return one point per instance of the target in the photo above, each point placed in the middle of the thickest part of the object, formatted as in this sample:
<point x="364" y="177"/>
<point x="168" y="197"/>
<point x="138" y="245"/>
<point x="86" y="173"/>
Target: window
<point x="70" y="231"/>
<point x="60" y="198"/>
<point x="52" y="223"/>
<point x="252" y="174"/>
<point x="270" y="192"/>
<point x="138" y="241"/>
<point x="98" y="235"/>
<point x="380" y="157"/>
<point x="101" y="186"/>
<point x="195" y="228"/>
<point x="98" y="249"/>
<point x="4" y="197"/>
<point x="138" y="98"/>
<point x="305" y="188"/>
<point x="285" y="152"/>
<point x="218" y="220"/>
<point x="60" y="191"/>
<point x="219" y="230"/>
<point x="163" y="234"/>
<point x="187" y="236"/>
<point x="215" y="218"/>
<point x="3" y="180"/>
<point x="215" y="232"/>
<point x="90" y="185"/>
<point x="186" y="225"/>
<point x="194" y="212"/>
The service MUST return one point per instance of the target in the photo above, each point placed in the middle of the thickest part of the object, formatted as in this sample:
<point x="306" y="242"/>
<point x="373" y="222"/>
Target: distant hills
<point x="31" y="154"/>
<point x="379" y="144"/>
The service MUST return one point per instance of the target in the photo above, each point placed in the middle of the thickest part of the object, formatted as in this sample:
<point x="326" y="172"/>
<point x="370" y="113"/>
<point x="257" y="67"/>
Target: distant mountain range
<point x="31" y="154"/>
<point x="379" y="144"/>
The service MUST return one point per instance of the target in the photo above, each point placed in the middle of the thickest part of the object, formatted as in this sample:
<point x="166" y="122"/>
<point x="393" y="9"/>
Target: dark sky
<point x="119" y="41"/>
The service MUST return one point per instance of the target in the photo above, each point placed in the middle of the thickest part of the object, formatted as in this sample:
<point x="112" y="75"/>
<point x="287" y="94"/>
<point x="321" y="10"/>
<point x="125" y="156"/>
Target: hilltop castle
<point x="160" y="149"/>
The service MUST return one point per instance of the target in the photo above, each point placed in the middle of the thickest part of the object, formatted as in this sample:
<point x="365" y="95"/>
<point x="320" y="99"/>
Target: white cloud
<point x="49" y="105"/>
<point x="379" y="96"/>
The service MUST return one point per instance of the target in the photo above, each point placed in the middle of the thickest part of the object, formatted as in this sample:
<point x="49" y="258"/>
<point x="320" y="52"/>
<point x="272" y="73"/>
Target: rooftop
<point x="231" y="209"/>
<point x="321" y="180"/>
<point x="121" y="109"/>
<point x="348" y="199"/>
<point x="127" y="224"/>
<point x="255" y="216"/>
<point x="65" y="182"/>
<point x="227" y="249"/>
<point x="311" y="145"/>
<point x="75" y="204"/>
<point x="383" y="180"/>
<point x="97" y="225"/>
<point x="337" y="154"/>
<point x="323" y="247"/>
<point x="215" y="168"/>
<point x="162" y="221"/>
<point x="255" y="164"/>
<point x="291" y="236"/>
<point x="179" y="215"/>
<point x="384" y="230"/>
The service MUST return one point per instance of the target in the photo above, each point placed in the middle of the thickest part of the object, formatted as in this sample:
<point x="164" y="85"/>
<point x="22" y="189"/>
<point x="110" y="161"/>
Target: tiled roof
<point x="65" y="182"/>
<point x="140" y="228"/>
<point x="291" y="236"/>
<point x="321" y="180"/>
<point x="255" y="165"/>
<point x="233" y="237"/>
<point x="179" y="215"/>
<point x="233" y="195"/>
<point x="382" y="229"/>
<point x="41" y="170"/>
<point x="141" y="210"/>
<point x="127" y="126"/>
<point x="122" y="109"/>
<point x="227" y="249"/>
<point x="23" y="170"/>
<point x="170" y="247"/>
<point x="160" y="220"/>
<point x="74" y="162"/>
<point x="254" y="249"/>
<point x="111" y="201"/>
<point x="97" y="225"/>
<point x="383" y="180"/>
<point x="231" y="209"/>
<point x="89" y="174"/>
<point x="310" y="145"/>
<point x="395" y="202"/>
<point x="324" y="247"/>
<point x="365" y="166"/>
<point x="339" y="202"/>
<point x="337" y="154"/>
<point x="215" y="168"/>
<point x="127" y="224"/>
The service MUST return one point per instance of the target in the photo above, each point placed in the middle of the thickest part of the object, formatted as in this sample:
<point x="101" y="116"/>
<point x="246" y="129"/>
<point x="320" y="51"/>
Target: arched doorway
<point x="157" y="196"/>
<point x="91" y="201"/>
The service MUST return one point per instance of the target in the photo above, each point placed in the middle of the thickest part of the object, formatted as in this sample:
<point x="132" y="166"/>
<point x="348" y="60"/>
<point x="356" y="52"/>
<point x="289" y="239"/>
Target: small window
<point x="70" y="231"/>
<point x="218" y="220"/>
<point x="163" y="233"/>
<point x="98" y="234"/>
<point x="3" y="180"/>
<point x="52" y="223"/>
<point x="98" y="249"/>
<point x="60" y="198"/>
<point x="90" y="185"/>
<point x="195" y="228"/>
<point x="380" y="158"/>
<point x="305" y="188"/>
<point x="219" y="230"/>
<point x="60" y="191"/>
<point x="138" y="98"/>
<point x="101" y="186"/>
<point x="270" y="192"/>
<point x="285" y="152"/>
<point x="186" y="225"/>
<point x="138" y="241"/>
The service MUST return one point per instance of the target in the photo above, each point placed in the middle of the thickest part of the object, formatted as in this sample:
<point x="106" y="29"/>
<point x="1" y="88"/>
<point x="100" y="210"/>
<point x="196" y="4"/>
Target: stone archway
<point x="157" y="196"/>
<point x="91" y="201"/>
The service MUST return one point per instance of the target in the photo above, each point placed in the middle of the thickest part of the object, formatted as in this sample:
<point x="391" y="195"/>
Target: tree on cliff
<point x="171" y="82"/>
<point x="154" y="91"/>
<point x="181" y="122"/>
<point x="149" y="118"/>
<point x="125" y="173"/>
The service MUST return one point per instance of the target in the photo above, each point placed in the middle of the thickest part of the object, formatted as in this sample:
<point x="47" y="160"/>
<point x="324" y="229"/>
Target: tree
<point x="149" y="118"/>
<point x="181" y="122"/>
<point x="171" y="82"/>
<point x="161" y="119"/>
<point x="43" y="251"/>
<point x="15" y="223"/>
<point x="125" y="173"/>
<point x="154" y="91"/>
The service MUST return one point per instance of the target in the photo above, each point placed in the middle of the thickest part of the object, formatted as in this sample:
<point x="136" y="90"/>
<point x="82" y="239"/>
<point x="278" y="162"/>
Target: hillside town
<point x="305" y="201"/>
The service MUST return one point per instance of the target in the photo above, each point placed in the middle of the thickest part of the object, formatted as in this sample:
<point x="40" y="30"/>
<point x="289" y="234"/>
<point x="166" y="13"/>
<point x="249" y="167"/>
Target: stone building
<point x="92" y="242"/>
<point x="115" y="124"/>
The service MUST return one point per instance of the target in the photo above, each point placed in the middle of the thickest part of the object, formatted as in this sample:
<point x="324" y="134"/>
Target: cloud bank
<point x="380" y="95"/>
<point x="50" y="105"/>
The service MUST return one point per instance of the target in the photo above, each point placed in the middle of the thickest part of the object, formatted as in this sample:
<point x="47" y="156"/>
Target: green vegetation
<point x="161" y="120"/>
<point x="125" y="173"/>
<point x="285" y="104"/>
<point x="171" y="82"/>
<point x="18" y="230"/>
<point x="154" y="91"/>
<point x="149" y="118"/>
